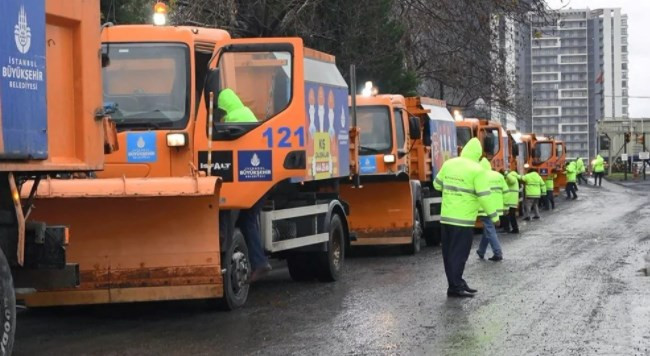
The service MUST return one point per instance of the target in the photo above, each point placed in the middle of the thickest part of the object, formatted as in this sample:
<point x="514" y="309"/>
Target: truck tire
<point x="7" y="307"/>
<point x="235" y="280"/>
<point x="301" y="266"/>
<point x="432" y="236"/>
<point x="330" y="262"/>
<point x="414" y="247"/>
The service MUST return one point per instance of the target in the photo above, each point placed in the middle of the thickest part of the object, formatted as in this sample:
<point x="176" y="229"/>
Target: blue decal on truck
<point x="368" y="164"/>
<point x="23" y="114"/>
<point x="141" y="147"/>
<point x="254" y="166"/>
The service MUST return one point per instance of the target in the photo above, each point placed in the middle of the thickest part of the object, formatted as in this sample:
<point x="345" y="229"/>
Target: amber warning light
<point x="160" y="14"/>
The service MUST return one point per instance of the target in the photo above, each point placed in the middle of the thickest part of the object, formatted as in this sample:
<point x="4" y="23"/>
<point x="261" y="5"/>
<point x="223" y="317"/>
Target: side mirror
<point x="212" y="85"/>
<point x="414" y="128"/>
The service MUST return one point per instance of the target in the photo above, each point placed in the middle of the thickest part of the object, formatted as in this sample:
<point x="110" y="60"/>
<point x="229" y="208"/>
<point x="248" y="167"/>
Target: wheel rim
<point x="336" y="249"/>
<point x="238" y="271"/>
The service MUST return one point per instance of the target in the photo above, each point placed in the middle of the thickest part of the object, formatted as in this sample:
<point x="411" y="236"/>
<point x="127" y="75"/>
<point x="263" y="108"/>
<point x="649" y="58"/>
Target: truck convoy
<point x="403" y="143"/>
<point x="161" y="221"/>
<point x="51" y="123"/>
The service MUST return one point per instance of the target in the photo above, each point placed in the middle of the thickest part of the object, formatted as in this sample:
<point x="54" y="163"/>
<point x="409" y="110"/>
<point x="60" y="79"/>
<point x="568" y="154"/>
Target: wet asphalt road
<point x="569" y="284"/>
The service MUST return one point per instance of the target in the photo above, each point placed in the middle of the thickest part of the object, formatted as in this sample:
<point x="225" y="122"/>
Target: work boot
<point x="536" y="217"/>
<point x="515" y="231"/>
<point x="459" y="294"/>
<point x="496" y="258"/>
<point x="260" y="272"/>
<point x="479" y="255"/>
<point x="527" y="218"/>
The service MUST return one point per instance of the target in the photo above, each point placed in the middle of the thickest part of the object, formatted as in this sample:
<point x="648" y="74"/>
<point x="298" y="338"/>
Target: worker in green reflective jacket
<point x="580" y="170"/>
<point x="571" y="174"/>
<point x="512" y="202"/>
<point x="248" y="221"/>
<point x="497" y="186"/>
<point x="549" y="199"/>
<point x="464" y="192"/>
<point x="599" y="170"/>
<point x="534" y="185"/>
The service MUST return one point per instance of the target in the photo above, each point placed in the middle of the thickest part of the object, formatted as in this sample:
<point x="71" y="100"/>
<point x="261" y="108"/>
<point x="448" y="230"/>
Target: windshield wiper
<point x="156" y="124"/>
<point x="369" y="149"/>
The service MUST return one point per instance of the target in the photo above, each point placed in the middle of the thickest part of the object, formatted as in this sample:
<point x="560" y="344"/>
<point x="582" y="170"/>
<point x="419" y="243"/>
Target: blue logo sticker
<point x="23" y="80"/>
<point x="141" y="147"/>
<point x="368" y="164"/>
<point x="254" y="166"/>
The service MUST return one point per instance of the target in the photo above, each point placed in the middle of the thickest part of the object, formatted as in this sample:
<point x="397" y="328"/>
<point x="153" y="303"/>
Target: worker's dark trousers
<point x="512" y="218"/>
<point x="598" y="178"/>
<point x="571" y="190"/>
<point x="550" y="199"/>
<point x="456" y="245"/>
<point x="248" y="223"/>
<point x="581" y="178"/>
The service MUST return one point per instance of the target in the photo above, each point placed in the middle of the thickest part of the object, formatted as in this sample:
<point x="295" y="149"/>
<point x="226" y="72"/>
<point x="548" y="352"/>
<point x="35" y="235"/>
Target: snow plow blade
<point x="381" y="213"/>
<point x="136" y="239"/>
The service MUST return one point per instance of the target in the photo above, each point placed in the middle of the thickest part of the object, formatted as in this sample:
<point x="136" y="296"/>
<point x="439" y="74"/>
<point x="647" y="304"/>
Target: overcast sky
<point x="638" y="12"/>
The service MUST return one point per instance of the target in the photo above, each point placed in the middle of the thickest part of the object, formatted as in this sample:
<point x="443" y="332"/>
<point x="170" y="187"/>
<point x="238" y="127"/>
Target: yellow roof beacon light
<point x="160" y="14"/>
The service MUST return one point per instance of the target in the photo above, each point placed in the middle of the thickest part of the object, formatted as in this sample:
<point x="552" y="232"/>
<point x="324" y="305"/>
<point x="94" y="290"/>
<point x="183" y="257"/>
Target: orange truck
<point x="492" y="136"/>
<point x="161" y="221"/>
<point x="547" y="156"/>
<point x="403" y="143"/>
<point x="52" y="123"/>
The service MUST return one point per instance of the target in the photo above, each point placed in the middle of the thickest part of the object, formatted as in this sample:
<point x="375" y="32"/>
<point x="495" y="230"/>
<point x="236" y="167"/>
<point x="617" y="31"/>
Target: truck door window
<point x="543" y="152"/>
<point x="261" y="80"/>
<point x="463" y="135"/>
<point x="558" y="150"/>
<point x="374" y="123"/>
<point x="148" y="84"/>
<point x="399" y="128"/>
<point x="490" y="142"/>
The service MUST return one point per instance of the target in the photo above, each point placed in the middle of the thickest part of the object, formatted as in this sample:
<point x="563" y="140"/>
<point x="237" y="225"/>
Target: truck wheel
<point x="301" y="266"/>
<point x="414" y="246"/>
<point x="432" y="236"/>
<point x="7" y="307"/>
<point x="235" y="280"/>
<point x="330" y="263"/>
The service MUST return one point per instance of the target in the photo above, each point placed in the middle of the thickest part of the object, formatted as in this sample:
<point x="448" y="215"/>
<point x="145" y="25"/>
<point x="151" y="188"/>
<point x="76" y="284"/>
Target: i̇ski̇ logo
<point x="22" y="32"/>
<point x="255" y="161"/>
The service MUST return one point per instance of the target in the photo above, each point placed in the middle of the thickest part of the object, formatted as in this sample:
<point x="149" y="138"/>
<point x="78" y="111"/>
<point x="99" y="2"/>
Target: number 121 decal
<point x="284" y="134"/>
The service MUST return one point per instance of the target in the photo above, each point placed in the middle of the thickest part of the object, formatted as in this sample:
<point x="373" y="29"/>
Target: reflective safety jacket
<point x="463" y="190"/>
<point x="580" y="166"/>
<point x="599" y="164"/>
<point x="534" y="184"/>
<point x="512" y="198"/>
<point x="571" y="172"/>
<point x="550" y="184"/>
<point x="235" y="110"/>
<point x="498" y="187"/>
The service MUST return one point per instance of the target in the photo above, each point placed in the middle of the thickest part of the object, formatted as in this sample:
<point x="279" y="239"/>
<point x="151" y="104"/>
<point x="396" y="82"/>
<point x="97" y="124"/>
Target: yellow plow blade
<point x="138" y="239"/>
<point x="381" y="213"/>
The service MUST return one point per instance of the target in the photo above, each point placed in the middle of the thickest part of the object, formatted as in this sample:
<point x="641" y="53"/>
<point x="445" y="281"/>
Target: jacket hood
<point x="229" y="101"/>
<point x="599" y="157"/>
<point x="486" y="164"/>
<point x="472" y="150"/>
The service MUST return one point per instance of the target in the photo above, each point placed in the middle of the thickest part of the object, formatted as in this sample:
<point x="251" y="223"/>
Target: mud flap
<point x="156" y="239"/>
<point x="381" y="213"/>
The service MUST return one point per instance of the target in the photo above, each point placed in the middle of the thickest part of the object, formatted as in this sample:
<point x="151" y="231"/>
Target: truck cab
<point x="490" y="133"/>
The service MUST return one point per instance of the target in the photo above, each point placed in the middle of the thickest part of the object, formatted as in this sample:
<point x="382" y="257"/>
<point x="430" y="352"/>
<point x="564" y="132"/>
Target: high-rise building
<point x="578" y="74"/>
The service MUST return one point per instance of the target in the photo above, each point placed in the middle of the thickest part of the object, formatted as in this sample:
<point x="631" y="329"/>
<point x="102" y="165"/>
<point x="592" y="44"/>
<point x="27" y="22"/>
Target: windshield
<point x="463" y="135"/>
<point x="374" y="123"/>
<point x="147" y="84"/>
<point x="543" y="151"/>
<point x="490" y="142"/>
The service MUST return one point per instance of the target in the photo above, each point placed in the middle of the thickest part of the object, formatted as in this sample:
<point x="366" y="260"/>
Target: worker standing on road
<point x="464" y="192"/>
<point x="549" y="200"/>
<point x="599" y="170"/>
<point x="248" y="221"/>
<point x="497" y="186"/>
<point x="580" y="170"/>
<point x="571" y="174"/>
<point x="512" y="202"/>
<point x="533" y="183"/>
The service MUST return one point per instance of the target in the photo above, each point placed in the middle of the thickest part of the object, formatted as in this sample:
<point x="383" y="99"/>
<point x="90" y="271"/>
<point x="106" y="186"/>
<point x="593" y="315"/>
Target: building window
<point x="624" y="66"/>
